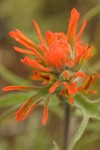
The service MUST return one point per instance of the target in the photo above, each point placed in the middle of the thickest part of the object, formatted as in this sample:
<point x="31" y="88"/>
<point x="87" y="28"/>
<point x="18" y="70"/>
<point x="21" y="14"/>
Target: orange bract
<point x="26" y="109"/>
<point x="10" y="88"/>
<point x="45" y="116"/>
<point x="72" y="28"/>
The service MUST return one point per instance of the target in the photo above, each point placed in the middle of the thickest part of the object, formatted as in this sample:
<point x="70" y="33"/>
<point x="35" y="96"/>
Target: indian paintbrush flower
<point x="56" y="63"/>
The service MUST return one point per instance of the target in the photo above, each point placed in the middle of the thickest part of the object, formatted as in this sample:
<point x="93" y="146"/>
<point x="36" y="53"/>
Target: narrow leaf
<point x="14" y="98"/>
<point x="79" y="132"/>
<point x="11" y="77"/>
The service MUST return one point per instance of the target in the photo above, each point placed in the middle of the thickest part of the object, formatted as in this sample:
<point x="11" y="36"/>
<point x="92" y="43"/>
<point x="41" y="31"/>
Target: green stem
<point x="79" y="132"/>
<point x="91" y="13"/>
<point x="67" y="110"/>
<point x="66" y="125"/>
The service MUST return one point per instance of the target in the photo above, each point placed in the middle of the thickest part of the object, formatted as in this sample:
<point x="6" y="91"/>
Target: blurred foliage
<point x="51" y="15"/>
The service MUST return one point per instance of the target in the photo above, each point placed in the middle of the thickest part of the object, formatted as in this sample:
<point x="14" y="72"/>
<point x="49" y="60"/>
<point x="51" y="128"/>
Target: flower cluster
<point x="55" y="63"/>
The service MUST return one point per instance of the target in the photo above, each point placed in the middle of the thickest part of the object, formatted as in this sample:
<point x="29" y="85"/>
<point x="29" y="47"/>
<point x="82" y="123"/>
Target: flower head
<point x="56" y="63"/>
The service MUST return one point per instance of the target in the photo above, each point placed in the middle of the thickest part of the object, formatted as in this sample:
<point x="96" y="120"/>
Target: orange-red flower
<point x="56" y="63"/>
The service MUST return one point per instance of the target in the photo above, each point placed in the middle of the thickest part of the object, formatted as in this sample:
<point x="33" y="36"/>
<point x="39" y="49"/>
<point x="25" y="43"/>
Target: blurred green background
<point x="51" y="15"/>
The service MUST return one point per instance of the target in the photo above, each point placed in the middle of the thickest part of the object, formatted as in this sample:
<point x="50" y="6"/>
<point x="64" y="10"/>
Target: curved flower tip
<point x="79" y="74"/>
<point x="12" y="34"/>
<point x="26" y="109"/>
<point x="11" y="88"/>
<point x="45" y="116"/>
<point x="54" y="87"/>
<point x="34" y="64"/>
<point x="23" y="51"/>
<point x="16" y="34"/>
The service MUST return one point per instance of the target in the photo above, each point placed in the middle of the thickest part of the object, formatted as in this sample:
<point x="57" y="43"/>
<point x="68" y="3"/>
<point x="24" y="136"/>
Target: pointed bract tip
<point x="19" y="118"/>
<point x="12" y="34"/>
<point x="74" y="10"/>
<point x="4" y="89"/>
<point x="45" y="116"/>
<point x="35" y="22"/>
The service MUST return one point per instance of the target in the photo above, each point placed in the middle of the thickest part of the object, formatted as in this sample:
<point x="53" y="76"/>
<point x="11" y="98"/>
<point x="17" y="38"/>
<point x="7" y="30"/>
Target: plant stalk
<point x="66" y="126"/>
<point x="67" y="110"/>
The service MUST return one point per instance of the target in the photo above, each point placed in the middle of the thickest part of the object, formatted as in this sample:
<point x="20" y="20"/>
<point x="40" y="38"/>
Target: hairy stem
<point x="79" y="132"/>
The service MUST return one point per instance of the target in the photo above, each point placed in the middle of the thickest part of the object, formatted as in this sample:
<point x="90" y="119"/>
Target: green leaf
<point x="79" y="132"/>
<point x="14" y="98"/>
<point x="11" y="77"/>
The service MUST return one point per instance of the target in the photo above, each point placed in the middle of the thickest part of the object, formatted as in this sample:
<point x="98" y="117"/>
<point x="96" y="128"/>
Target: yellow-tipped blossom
<point x="56" y="63"/>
